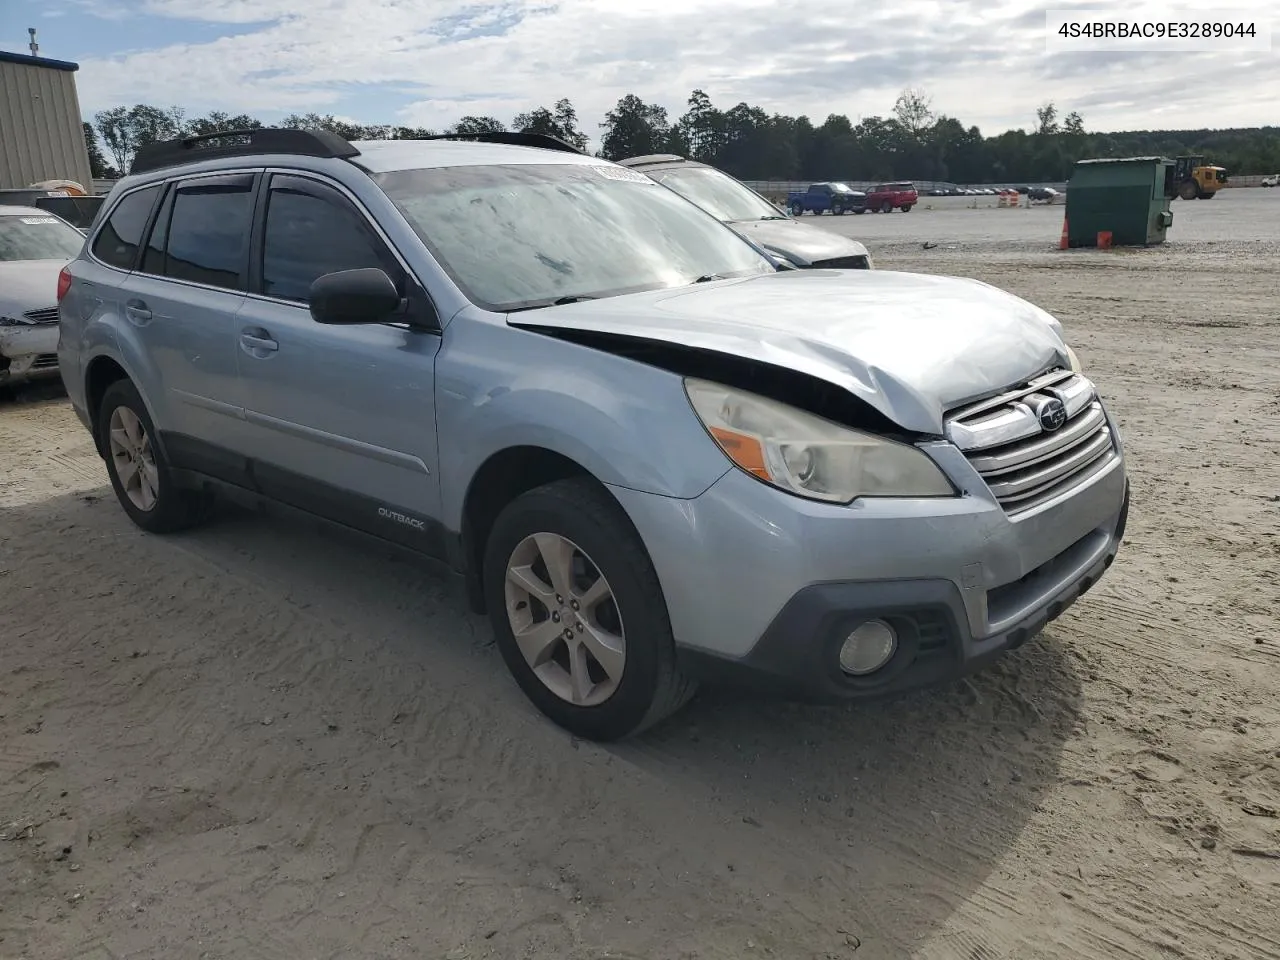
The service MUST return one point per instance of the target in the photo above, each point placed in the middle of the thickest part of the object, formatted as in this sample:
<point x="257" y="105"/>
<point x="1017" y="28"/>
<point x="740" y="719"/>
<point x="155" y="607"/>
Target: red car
<point x="885" y="196"/>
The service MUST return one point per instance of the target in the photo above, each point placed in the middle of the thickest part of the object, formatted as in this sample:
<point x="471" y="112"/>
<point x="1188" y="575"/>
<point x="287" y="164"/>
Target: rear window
<point x="117" y="242"/>
<point x="208" y="233"/>
<point x="37" y="237"/>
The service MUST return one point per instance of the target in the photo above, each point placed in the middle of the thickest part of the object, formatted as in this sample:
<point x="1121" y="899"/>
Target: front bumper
<point x="28" y="352"/>
<point x="929" y="616"/>
<point x="763" y="588"/>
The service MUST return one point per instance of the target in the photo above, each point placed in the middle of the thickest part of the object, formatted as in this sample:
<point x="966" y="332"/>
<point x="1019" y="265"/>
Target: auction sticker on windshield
<point x="622" y="173"/>
<point x="38" y="219"/>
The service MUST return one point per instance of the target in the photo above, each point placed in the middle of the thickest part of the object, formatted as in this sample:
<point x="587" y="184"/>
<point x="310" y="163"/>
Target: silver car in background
<point x="736" y="205"/>
<point x="34" y="247"/>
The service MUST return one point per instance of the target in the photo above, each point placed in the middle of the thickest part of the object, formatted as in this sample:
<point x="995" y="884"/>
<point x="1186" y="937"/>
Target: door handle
<point x="257" y="342"/>
<point x="137" y="311"/>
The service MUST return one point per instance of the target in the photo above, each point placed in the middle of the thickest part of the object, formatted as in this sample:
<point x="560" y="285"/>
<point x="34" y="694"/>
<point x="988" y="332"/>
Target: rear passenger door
<point x="182" y="303"/>
<point x="341" y="419"/>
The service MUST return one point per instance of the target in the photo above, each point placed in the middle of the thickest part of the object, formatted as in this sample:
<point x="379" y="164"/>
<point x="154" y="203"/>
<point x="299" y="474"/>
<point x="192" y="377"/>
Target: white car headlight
<point x="804" y="454"/>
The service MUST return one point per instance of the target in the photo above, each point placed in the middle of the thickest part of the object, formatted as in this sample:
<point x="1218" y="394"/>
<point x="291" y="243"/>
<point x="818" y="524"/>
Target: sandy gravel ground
<point x="264" y="740"/>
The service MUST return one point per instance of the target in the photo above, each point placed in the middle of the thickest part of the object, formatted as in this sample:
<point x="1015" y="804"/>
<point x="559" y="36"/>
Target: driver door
<point x="341" y="419"/>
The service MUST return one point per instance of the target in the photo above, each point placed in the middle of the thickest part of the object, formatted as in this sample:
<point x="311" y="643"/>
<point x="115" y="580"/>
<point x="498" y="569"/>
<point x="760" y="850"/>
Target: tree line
<point x="914" y="142"/>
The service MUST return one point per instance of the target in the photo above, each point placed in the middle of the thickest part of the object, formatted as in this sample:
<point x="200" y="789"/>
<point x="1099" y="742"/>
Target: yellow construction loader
<point x="1193" y="180"/>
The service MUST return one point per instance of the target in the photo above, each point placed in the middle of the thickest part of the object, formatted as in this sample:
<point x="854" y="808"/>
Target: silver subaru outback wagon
<point x="656" y="456"/>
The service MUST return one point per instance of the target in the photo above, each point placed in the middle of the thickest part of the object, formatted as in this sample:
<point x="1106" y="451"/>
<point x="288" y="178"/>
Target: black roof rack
<point x="237" y="143"/>
<point x="513" y="139"/>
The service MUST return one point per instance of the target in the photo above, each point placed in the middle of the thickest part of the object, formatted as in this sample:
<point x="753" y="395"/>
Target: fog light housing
<point x="868" y="648"/>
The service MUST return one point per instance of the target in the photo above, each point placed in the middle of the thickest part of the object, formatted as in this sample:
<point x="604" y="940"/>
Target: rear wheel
<point x="578" y="612"/>
<point x="905" y="208"/>
<point x="140" y="474"/>
<point x="1187" y="190"/>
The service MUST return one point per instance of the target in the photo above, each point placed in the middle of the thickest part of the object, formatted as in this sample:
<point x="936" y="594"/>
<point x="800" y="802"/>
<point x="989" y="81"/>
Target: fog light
<point x="868" y="648"/>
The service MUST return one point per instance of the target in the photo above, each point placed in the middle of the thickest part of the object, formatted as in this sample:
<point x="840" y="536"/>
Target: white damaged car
<point x="34" y="247"/>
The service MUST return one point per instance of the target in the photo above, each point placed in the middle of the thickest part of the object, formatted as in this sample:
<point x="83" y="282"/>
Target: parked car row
<point x="656" y="453"/>
<point x="1035" y="193"/>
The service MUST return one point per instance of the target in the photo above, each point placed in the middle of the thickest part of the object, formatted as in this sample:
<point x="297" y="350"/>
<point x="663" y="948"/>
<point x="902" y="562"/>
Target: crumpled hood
<point x="799" y="242"/>
<point x="910" y="345"/>
<point x="28" y="285"/>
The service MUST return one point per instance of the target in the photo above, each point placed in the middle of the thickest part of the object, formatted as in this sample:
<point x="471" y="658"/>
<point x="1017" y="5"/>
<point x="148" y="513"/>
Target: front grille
<point x="1037" y="442"/>
<point x="47" y="315"/>
<point x="44" y="361"/>
<point x="843" y="263"/>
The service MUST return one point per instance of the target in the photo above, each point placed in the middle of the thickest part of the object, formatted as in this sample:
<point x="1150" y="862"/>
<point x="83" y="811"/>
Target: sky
<point x="429" y="62"/>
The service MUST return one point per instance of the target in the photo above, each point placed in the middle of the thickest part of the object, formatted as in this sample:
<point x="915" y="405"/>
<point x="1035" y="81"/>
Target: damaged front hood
<point x="800" y="243"/>
<point x="910" y="345"/>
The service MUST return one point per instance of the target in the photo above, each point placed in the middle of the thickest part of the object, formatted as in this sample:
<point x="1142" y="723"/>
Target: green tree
<point x="914" y="112"/>
<point x="217" y="121"/>
<point x="560" y="122"/>
<point x="702" y="127"/>
<point x="1047" y="119"/>
<point x="125" y="129"/>
<point x="478" y="125"/>
<point x="634" y="128"/>
<point x="98" y="167"/>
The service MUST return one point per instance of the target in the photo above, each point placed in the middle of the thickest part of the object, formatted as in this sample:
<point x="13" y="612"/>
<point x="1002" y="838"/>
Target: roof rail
<point x="237" y="143"/>
<point x="512" y="138"/>
<point x="650" y="158"/>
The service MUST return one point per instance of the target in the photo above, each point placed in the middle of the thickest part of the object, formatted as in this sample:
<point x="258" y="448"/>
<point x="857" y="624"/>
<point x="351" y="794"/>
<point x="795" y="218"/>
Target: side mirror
<point x="359" y="296"/>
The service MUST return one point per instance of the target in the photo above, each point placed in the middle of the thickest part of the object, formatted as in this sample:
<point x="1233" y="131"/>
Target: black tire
<point x="1188" y="190"/>
<point x="886" y="207"/>
<point x="905" y="208"/>
<point x="1206" y="196"/>
<point x="175" y="508"/>
<point x="797" y="210"/>
<point x="859" y="210"/>
<point x="651" y="687"/>
<point x="837" y="211"/>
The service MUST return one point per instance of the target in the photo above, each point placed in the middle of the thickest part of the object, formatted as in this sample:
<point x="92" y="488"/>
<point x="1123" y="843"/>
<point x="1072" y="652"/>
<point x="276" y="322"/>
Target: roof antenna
<point x="35" y="47"/>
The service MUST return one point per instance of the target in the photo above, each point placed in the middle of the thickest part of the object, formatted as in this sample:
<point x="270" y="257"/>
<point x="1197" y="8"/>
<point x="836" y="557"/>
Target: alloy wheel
<point x="133" y="459"/>
<point x="565" y="619"/>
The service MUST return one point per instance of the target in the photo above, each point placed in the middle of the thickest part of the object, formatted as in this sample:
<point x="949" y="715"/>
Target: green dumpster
<point x="1127" y="197"/>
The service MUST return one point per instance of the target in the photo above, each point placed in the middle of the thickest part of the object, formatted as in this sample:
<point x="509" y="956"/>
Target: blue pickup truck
<point x="839" y="198"/>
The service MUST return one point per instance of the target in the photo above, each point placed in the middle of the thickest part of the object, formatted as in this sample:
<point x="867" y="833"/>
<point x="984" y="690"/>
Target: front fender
<point x="627" y="423"/>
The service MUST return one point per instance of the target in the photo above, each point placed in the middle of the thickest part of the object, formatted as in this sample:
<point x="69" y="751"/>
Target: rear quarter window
<point x="117" y="243"/>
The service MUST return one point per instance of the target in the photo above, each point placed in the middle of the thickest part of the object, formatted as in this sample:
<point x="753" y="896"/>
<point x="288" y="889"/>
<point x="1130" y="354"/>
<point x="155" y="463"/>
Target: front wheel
<point x="837" y="211"/>
<point x="886" y="207"/>
<point x="859" y="210"/>
<point x="1207" y="196"/>
<point x="578" y="612"/>
<point x="796" y="210"/>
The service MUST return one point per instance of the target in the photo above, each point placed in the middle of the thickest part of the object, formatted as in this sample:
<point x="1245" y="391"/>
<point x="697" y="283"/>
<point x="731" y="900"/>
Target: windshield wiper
<point x="558" y="302"/>
<point x="708" y="277"/>
<point x="768" y="217"/>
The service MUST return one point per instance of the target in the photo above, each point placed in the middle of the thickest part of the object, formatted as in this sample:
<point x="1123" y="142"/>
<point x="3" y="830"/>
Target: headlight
<point x="1073" y="360"/>
<point x="807" y="455"/>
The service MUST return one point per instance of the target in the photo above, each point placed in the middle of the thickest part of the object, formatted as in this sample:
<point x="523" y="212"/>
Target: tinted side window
<point x="153" y="255"/>
<point x="117" y="243"/>
<point x="311" y="231"/>
<point x="208" y="238"/>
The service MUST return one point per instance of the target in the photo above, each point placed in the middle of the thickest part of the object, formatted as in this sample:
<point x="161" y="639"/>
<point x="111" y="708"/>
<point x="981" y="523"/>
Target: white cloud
<point x="983" y="62"/>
